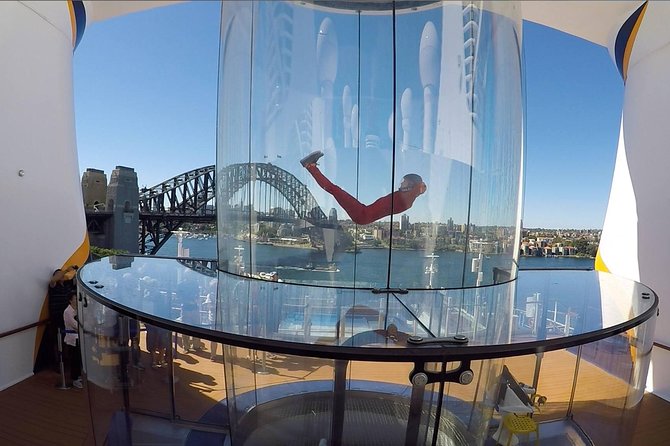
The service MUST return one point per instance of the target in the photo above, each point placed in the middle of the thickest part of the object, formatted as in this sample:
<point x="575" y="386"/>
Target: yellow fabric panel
<point x="73" y="21"/>
<point x="631" y="42"/>
<point x="600" y="263"/>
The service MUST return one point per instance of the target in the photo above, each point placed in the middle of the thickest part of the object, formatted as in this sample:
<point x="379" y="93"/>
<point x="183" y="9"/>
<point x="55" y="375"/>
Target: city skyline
<point x="150" y="104"/>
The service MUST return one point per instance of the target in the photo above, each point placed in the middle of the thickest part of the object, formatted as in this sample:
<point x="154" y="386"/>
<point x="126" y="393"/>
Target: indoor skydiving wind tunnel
<point x="314" y="365"/>
<point x="366" y="290"/>
<point x="383" y="90"/>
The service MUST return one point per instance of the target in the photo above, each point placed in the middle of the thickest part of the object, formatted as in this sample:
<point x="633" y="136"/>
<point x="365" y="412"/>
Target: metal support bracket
<point x="419" y="376"/>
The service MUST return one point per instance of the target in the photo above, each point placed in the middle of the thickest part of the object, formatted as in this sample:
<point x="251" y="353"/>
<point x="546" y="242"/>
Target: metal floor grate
<point x="370" y="419"/>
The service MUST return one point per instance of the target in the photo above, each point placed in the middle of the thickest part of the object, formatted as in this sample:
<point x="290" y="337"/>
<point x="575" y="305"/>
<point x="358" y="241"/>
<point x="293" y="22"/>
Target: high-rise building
<point x="404" y="222"/>
<point x="332" y="215"/>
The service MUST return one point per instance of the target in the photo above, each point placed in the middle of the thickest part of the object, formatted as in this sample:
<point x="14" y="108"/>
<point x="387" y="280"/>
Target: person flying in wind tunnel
<point x="394" y="203"/>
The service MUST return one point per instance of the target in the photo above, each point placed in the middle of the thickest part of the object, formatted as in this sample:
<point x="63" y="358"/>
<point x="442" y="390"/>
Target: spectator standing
<point x="61" y="284"/>
<point x="188" y="293"/>
<point x="72" y="349"/>
<point x="158" y="339"/>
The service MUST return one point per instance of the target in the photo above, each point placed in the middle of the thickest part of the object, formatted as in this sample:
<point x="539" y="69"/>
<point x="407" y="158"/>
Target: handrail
<point x="24" y="328"/>
<point x="662" y="346"/>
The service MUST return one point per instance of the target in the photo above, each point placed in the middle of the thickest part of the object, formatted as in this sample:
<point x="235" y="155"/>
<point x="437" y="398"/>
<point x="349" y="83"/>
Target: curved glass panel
<point x="298" y="361"/>
<point x="548" y="306"/>
<point x="426" y="93"/>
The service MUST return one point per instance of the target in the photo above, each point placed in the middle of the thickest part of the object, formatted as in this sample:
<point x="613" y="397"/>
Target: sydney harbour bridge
<point x="271" y="193"/>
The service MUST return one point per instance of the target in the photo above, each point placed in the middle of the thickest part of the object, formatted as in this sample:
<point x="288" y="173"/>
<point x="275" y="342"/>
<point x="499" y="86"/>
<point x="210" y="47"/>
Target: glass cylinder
<point x="370" y="144"/>
<point x="174" y="350"/>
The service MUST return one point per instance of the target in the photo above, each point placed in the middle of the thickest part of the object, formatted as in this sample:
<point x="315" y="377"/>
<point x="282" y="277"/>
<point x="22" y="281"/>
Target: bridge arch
<point x="186" y="198"/>
<point x="235" y="176"/>
<point x="190" y="193"/>
<point x="191" y="198"/>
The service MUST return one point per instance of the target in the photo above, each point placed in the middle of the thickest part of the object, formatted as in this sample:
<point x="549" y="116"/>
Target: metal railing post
<point x="63" y="385"/>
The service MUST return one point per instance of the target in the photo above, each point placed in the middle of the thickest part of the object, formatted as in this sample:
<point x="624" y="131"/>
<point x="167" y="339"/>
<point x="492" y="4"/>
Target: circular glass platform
<point x="435" y="344"/>
<point x="380" y="325"/>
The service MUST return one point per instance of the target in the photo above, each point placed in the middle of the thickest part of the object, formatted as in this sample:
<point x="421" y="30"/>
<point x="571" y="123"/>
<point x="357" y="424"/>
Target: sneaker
<point x="78" y="384"/>
<point x="312" y="158"/>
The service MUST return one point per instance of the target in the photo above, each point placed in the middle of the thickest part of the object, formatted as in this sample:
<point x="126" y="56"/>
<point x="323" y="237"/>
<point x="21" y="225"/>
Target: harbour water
<point x="369" y="267"/>
<point x="409" y="267"/>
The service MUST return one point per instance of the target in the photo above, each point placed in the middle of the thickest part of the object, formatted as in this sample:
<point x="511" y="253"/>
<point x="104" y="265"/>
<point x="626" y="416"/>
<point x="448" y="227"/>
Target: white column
<point x="429" y="70"/>
<point x="346" y="115"/>
<point x="635" y="233"/>
<point x="42" y="215"/>
<point x="326" y="61"/>
<point x="354" y="126"/>
<point x="406" y="113"/>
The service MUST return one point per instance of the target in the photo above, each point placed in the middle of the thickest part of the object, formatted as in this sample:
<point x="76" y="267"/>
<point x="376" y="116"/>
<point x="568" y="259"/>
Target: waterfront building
<point x="379" y="233"/>
<point x="404" y="222"/>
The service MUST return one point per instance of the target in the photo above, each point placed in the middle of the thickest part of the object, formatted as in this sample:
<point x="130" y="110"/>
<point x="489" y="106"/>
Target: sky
<point x="146" y="97"/>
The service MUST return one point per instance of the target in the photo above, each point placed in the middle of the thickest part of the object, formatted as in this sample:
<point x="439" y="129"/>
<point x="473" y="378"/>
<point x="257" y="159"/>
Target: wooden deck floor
<point x="36" y="413"/>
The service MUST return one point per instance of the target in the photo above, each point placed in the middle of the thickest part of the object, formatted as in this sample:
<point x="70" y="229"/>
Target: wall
<point x="634" y="241"/>
<point x="42" y="217"/>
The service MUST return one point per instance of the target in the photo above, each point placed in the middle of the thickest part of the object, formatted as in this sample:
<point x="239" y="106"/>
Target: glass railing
<point x="264" y="362"/>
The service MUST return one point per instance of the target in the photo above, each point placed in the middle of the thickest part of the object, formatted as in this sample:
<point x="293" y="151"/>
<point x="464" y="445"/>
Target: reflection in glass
<point x="539" y="305"/>
<point x="325" y="108"/>
<point x="429" y="95"/>
<point x="151" y="328"/>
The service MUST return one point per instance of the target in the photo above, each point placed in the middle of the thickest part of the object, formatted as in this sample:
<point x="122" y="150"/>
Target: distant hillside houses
<point x="530" y="249"/>
<point x="560" y="242"/>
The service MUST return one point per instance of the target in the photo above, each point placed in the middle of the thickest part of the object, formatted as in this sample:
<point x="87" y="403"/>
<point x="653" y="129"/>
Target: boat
<point x="331" y="268"/>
